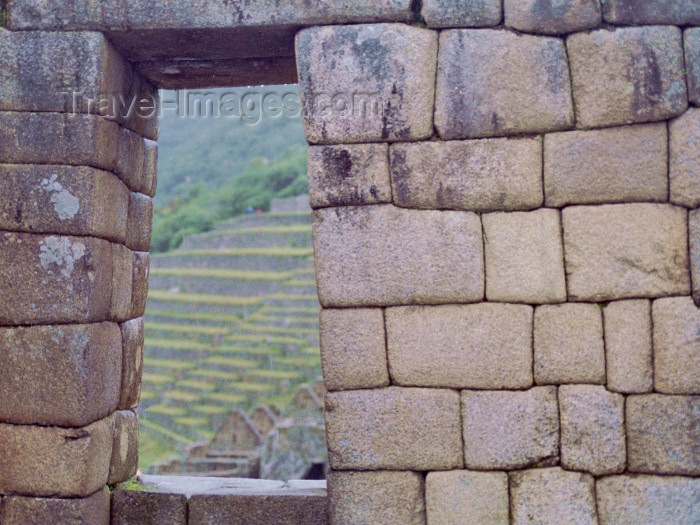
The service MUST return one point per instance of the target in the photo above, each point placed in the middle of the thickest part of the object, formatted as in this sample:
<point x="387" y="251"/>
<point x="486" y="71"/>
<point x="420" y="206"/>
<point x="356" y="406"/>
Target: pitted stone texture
<point x="125" y="447"/>
<point x="47" y="279"/>
<point x="669" y="12"/>
<point x="391" y="498"/>
<point x="592" y="429"/>
<point x="691" y="41"/>
<point x="353" y="348"/>
<point x="139" y="283"/>
<point x="569" y="344"/>
<point x="150" y="168"/>
<point x="631" y="500"/>
<point x="139" y="227"/>
<point x="461" y="13"/>
<point x="122" y="275"/>
<point x="475" y="175"/>
<point x="402" y="429"/>
<point x="132" y="363"/>
<point x="457" y="497"/>
<point x="54" y="461"/>
<point x="348" y="175"/>
<point x="20" y="510"/>
<point x="663" y="434"/>
<point x="620" y="251"/>
<point x="494" y="82"/>
<point x="676" y="346"/>
<point x="130" y="507"/>
<point x="694" y="233"/>
<point x="552" y="495"/>
<point x="408" y="256"/>
<point x="628" y="350"/>
<point x="553" y="17"/>
<point x="483" y="345"/>
<point x="524" y="257"/>
<point x="62" y="375"/>
<point x="684" y="162"/>
<point x="510" y="430"/>
<point x="631" y="74"/>
<point x="624" y="164"/>
<point x="366" y="83"/>
<point x="63" y="199"/>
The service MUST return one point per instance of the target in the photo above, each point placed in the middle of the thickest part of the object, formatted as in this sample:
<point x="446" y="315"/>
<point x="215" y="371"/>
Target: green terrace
<point x="225" y="300"/>
<point x="281" y="252"/>
<point x="224" y="273"/>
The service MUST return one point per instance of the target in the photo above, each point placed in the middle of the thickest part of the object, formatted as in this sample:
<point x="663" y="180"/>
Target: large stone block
<point x="140" y="224"/>
<point x="131" y="159"/>
<point x="63" y="199"/>
<point x="139" y="283"/>
<point x="348" y="175"/>
<point x="132" y="363"/>
<point x="122" y="276"/>
<point x="150" y="168"/>
<point x="55" y="461"/>
<point x="506" y="430"/>
<point x="624" y="164"/>
<point x="694" y="243"/>
<point x="628" y="350"/>
<point x="483" y="345"/>
<point x="524" y="257"/>
<point x="402" y="429"/>
<point x="569" y="344"/>
<point x="125" y="446"/>
<point x="130" y="507"/>
<point x="461" y="13"/>
<point x="554" y="17"/>
<point x="494" y="82"/>
<point x="592" y="429"/>
<point x="366" y="83"/>
<point x="676" y="346"/>
<point x="391" y="498"/>
<point x="670" y="12"/>
<point x="407" y="256"/>
<point x="620" y="251"/>
<point x="691" y="41"/>
<point x="631" y="74"/>
<point x="48" y="279"/>
<point x="353" y="348"/>
<point x="684" y="160"/>
<point x="63" y="375"/>
<point x="475" y="175"/>
<point x="663" y="434"/>
<point x="456" y="497"/>
<point x="20" y="510"/>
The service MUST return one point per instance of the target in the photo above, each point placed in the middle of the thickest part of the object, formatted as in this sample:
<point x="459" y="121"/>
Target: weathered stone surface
<point x="63" y="199"/>
<point x="148" y="508"/>
<point x="122" y="275"/>
<point x="59" y="375"/>
<point x="620" y="251"/>
<point x="131" y="159"/>
<point x="691" y="41"/>
<point x="552" y="495"/>
<point x="630" y="500"/>
<point x="684" y="160"/>
<point x="493" y="83"/>
<point x="402" y="429"/>
<point x="676" y="346"/>
<point x="408" y="256"/>
<point x="569" y="344"/>
<point x="291" y="447"/>
<point x="54" y="461"/>
<point x="150" y="168"/>
<point x="391" y="498"/>
<point x="483" y="345"/>
<point x="628" y="350"/>
<point x="132" y="363"/>
<point x="125" y="446"/>
<point x="54" y="279"/>
<point x="510" y="430"/>
<point x="592" y="429"/>
<point x="694" y="234"/>
<point x="524" y="257"/>
<point x="475" y="175"/>
<point x="139" y="283"/>
<point x="624" y="164"/>
<point x="456" y="497"/>
<point x="671" y="12"/>
<point x="19" y="510"/>
<point x="556" y="17"/>
<point x="631" y="74"/>
<point x="366" y="83"/>
<point x="189" y="485"/>
<point x="353" y="349"/>
<point x="139" y="226"/>
<point x="348" y="175"/>
<point x="663" y="434"/>
<point x="461" y="13"/>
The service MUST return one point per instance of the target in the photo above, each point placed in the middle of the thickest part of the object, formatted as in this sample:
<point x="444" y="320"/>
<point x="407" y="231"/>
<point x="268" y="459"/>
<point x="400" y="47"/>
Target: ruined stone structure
<point x="507" y="244"/>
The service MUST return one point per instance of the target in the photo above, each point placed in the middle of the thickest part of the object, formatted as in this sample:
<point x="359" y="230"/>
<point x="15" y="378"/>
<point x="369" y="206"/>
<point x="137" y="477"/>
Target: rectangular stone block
<point x="348" y="175"/>
<point x="475" y="175"/>
<point x="132" y="363"/>
<point x="684" y="161"/>
<point x="524" y="257"/>
<point x="663" y="434"/>
<point x="125" y="446"/>
<point x="456" y="497"/>
<point x="628" y="350"/>
<point x="620" y="251"/>
<point x="131" y="159"/>
<point x="556" y="17"/>
<point x="402" y="429"/>
<point x="48" y="279"/>
<point x="694" y="243"/>
<point x="20" y="510"/>
<point x="150" y="168"/>
<point x="483" y="345"/>
<point x="353" y="348"/>
<point x="139" y="283"/>
<point x="366" y="83"/>
<point x="465" y="13"/>
<point x="63" y="199"/>
<point x="55" y="461"/>
<point x="510" y="430"/>
<point x="122" y="274"/>
<point x="623" y="164"/>
<point x="382" y="255"/>
<point x="148" y="508"/>
<point x="140" y="224"/>
<point x="666" y="12"/>
<point x="691" y="41"/>
<point x="631" y="74"/>
<point x="493" y="82"/>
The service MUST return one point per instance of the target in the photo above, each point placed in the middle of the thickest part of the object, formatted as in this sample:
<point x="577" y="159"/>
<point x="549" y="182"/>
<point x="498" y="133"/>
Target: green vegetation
<point x="265" y="251"/>
<point x="262" y="338"/>
<point x="231" y="399"/>
<point x="166" y="410"/>
<point x="194" y="316"/>
<point x="196" y="384"/>
<point x="216" y="374"/>
<point x="246" y="386"/>
<point x="267" y="329"/>
<point x="275" y="374"/>
<point x="271" y="230"/>
<point x="168" y="364"/>
<point x="212" y="410"/>
<point x="187" y="328"/>
<point x="191" y="421"/>
<point x="223" y="273"/>
<point x="203" y="298"/>
<point x="290" y="309"/>
<point x="299" y="361"/>
<point x="232" y="362"/>
<point x="156" y="379"/>
<point x="185" y="397"/>
<point x="176" y="344"/>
